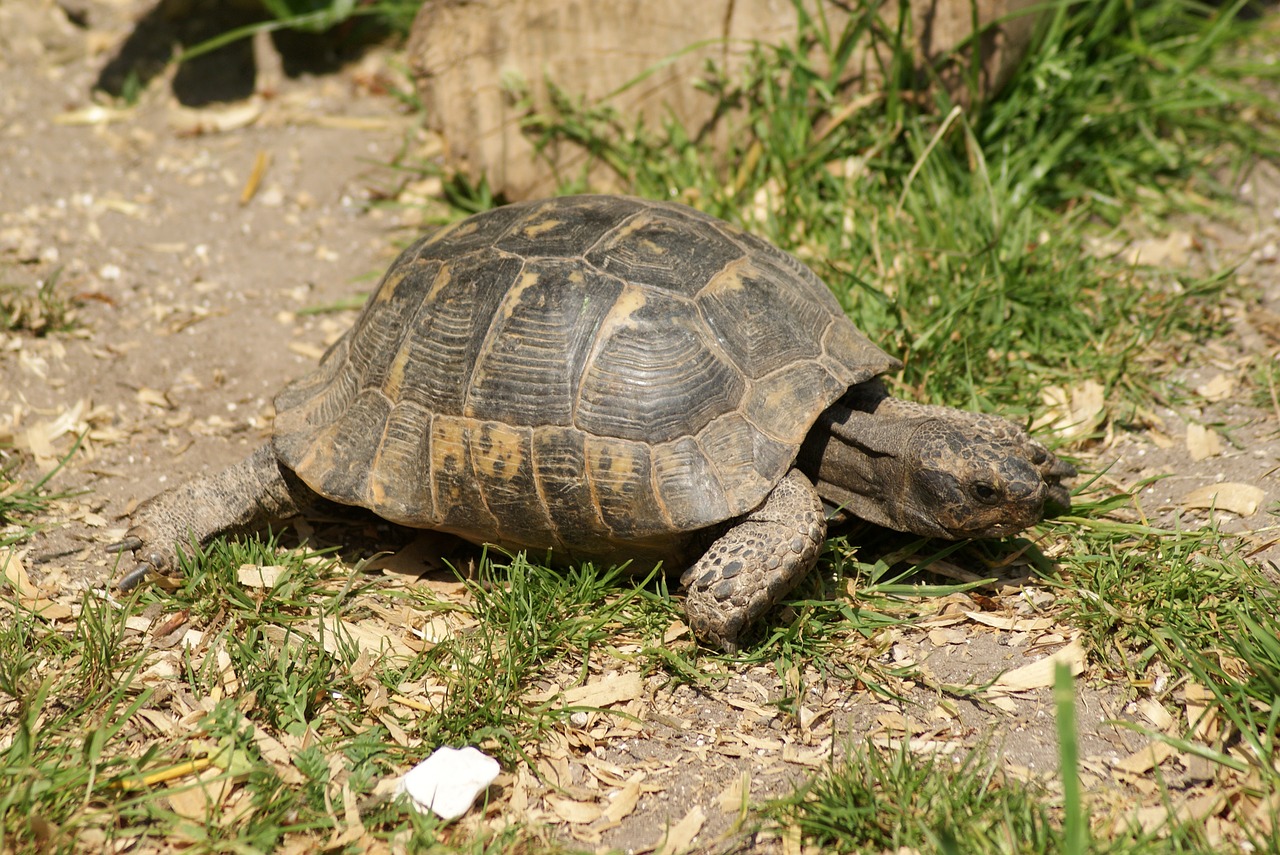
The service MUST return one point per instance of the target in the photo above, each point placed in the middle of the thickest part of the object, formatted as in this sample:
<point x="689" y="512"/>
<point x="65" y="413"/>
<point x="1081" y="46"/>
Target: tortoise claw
<point x="129" y="544"/>
<point x="134" y="578"/>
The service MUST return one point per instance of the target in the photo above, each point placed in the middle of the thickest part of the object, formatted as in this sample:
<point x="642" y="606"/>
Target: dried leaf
<point x="1202" y="442"/>
<point x="943" y="637"/>
<point x="424" y="554"/>
<point x="1220" y="388"/>
<point x="1013" y="624"/>
<point x="44" y="608"/>
<point x="95" y="114"/>
<point x="571" y="811"/>
<point x="1156" y="714"/>
<point x="793" y="840"/>
<point x="154" y="398"/>
<point x="1073" y="413"/>
<point x="1039" y="675"/>
<point x="1003" y="704"/>
<point x="1243" y="500"/>
<point x="1168" y="251"/>
<point x="230" y="682"/>
<point x="734" y="797"/>
<point x="1202" y="716"/>
<point x="599" y="693"/>
<point x="254" y="180"/>
<point x="355" y="123"/>
<point x="69" y="421"/>
<point x="274" y="752"/>
<point x="205" y="798"/>
<point x="1195" y="808"/>
<point x="14" y="572"/>
<point x="260" y="576"/>
<point x="624" y="801"/>
<point x="679" y="837"/>
<point x="677" y="629"/>
<point x="1145" y="759"/>
<point x="919" y="745"/>
<point x="366" y="636"/>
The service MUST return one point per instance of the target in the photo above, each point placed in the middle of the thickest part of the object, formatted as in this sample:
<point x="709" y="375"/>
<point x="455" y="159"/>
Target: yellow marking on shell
<point x="448" y="439"/>
<point x="730" y="279"/>
<point x="608" y="467"/>
<point x="540" y="227"/>
<point x="316" y="459"/>
<point x="479" y="374"/>
<point x="778" y="399"/>
<point x="395" y="375"/>
<point x="462" y="228"/>
<point x="448" y="458"/>
<point x="498" y="451"/>
<point x="391" y="283"/>
<point x="635" y="225"/>
<point x="443" y="277"/>
<point x="528" y="279"/>
<point x="630" y="301"/>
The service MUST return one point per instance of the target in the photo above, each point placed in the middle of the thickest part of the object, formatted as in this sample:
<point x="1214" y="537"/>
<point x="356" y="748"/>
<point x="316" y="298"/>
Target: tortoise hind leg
<point x="249" y="493"/>
<point x="756" y="562"/>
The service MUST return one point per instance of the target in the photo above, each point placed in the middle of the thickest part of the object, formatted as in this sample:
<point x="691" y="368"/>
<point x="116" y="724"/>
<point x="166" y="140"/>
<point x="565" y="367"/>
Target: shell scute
<point x="559" y="229"/>
<point x="671" y="252"/>
<point x="527" y="370"/>
<point x="655" y="374"/>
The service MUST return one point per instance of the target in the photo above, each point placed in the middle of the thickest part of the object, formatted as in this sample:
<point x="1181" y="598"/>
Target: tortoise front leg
<point x="249" y="493"/>
<point x="756" y="562"/>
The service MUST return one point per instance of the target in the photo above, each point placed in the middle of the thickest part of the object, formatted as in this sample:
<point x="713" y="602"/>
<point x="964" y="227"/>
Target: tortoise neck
<point x="862" y="454"/>
<point x="855" y="478"/>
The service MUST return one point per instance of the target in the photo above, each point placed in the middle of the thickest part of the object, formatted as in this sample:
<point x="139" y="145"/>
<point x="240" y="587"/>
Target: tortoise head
<point x="980" y="477"/>
<point x="934" y="471"/>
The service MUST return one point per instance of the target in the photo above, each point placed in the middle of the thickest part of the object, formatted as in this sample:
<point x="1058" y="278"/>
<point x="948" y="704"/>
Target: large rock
<point x="642" y="57"/>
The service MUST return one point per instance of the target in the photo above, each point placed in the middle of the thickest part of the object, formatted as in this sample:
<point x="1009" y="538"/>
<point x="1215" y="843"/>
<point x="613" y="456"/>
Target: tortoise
<point x="611" y="378"/>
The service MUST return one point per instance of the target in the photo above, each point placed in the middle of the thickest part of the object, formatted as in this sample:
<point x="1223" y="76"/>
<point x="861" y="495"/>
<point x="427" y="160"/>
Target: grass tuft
<point x="886" y="800"/>
<point x="40" y="311"/>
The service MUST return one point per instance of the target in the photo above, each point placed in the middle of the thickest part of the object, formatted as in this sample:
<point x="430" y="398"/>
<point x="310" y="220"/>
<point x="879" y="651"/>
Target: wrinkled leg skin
<point x="249" y="493"/>
<point x="755" y="563"/>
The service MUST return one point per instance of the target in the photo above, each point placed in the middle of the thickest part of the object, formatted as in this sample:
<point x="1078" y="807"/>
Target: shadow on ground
<point x="227" y="73"/>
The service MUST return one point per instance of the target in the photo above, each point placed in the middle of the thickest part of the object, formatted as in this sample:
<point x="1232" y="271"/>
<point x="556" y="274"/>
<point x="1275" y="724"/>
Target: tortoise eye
<point x="986" y="493"/>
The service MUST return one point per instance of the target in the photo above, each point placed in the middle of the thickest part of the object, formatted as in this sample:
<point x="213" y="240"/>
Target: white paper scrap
<point x="448" y="781"/>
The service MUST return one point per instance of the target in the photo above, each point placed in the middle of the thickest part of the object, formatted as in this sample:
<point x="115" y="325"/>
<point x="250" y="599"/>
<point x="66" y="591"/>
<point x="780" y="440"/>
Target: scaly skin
<point x="248" y="494"/>
<point x="756" y="562"/>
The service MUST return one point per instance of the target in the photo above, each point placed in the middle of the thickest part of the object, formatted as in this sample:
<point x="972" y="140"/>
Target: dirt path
<point x="187" y="283"/>
<point x="189" y="273"/>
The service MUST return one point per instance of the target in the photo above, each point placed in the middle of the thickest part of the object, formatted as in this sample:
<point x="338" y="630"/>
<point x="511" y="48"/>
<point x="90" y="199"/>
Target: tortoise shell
<point x="582" y="374"/>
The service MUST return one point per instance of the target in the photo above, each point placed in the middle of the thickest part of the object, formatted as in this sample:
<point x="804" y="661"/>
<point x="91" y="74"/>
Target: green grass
<point x="260" y="664"/>
<point x="21" y="501"/>
<point x="878" y="800"/>
<point x="40" y="310"/>
<point x="959" y="240"/>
